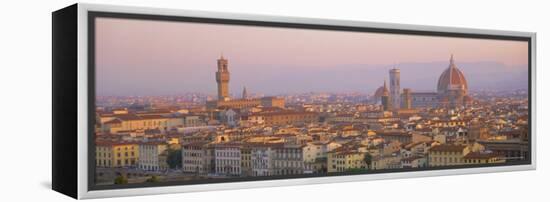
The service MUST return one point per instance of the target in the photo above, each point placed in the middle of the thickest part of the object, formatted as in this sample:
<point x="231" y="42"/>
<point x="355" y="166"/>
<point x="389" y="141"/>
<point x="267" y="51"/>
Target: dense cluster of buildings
<point x="263" y="136"/>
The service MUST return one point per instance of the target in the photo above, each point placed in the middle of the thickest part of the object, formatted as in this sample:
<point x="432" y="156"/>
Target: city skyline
<point x="427" y="109"/>
<point x="164" y="66"/>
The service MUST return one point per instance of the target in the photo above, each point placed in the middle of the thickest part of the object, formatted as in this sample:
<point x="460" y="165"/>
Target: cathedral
<point x="452" y="91"/>
<point x="225" y="101"/>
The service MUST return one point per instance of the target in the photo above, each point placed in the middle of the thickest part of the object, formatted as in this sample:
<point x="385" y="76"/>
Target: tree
<point x="174" y="158"/>
<point x="153" y="178"/>
<point x="121" y="180"/>
<point x="368" y="160"/>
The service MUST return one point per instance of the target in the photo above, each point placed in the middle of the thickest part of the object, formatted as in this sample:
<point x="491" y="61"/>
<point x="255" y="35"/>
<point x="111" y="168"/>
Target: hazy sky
<point x="142" y="57"/>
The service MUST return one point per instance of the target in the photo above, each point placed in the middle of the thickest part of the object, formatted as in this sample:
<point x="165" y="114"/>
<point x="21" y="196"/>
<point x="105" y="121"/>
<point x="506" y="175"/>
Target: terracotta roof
<point x="286" y="112"/>
<point x="112" y="143"/>
<point x="195" y="144"/>
<point x="152" y="143"/>
<point x="393" y="133"/>
<point x="479" y="155"/>
<point x="448" y="148"/>
<point x="114" y="121"/>
<point x="451" y="78"/>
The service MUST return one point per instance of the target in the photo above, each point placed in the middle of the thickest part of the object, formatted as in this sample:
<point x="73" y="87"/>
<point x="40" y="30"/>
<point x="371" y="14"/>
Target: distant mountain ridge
<point x="484" y="75"/>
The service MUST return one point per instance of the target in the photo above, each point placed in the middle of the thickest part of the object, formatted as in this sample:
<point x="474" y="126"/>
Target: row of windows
<point x="446" y="159"/>
<point x="290" y="117"/>
<point x="118" y="154"/>
<point x="445" y="153"/>
<point x="227" y="162"/>
<point x="193" y="168"/>
<point x="192" y="154"/>
<point x="261" y="173"/>
<point x="288" y="164"/>
<point x="149" y="167"/>
<point x="145" y="123"/>
<point x="475" y="161"/>
<point x="104" y="155"/>
<point x="195" y="162"/>
<point x="103" y="148"/>
<point x="287" y="172"/>
<point x="228" y="169"/>
<point x="149" y="161"/>
<point x="126" y="148"/>
<point x="228" y="154"/>
<point x="107" y="163"/>
<point x="341" y="162"/>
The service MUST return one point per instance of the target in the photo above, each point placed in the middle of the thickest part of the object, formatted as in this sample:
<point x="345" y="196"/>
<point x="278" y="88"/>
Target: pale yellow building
<point x="116" y="154"/>
<point x="289" y="117"/>
<point x="447" y="155"/>
<point x="342" y="160"/>
<point x="473" y="158"/>
<point x="130" y="122"/>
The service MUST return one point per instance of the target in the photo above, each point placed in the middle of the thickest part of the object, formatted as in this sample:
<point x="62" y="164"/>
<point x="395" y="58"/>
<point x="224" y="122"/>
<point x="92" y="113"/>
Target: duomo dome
<point x="452" y="79"/>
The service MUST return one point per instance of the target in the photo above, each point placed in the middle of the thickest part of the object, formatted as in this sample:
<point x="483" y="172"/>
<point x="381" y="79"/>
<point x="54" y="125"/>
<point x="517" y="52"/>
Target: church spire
<point x="245" y="94"/>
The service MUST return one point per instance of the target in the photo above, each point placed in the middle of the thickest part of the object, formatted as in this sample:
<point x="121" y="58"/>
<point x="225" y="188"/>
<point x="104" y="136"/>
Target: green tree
<point x="153" y="178"/>
<point x="368" y="160"/>
<point x="121" y="180"/>
<point x="174" y="158"/>
<point x="356" y="170"/>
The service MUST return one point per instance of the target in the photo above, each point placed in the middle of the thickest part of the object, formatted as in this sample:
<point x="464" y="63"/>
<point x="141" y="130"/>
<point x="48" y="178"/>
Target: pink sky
<point x="143" y="56"/>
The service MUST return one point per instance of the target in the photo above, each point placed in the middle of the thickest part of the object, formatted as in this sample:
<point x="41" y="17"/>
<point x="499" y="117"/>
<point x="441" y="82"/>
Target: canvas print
<point x="180" y="102"/>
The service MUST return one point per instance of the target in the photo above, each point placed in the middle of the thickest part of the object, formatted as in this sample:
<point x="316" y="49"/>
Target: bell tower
<point x="222" y="78"/>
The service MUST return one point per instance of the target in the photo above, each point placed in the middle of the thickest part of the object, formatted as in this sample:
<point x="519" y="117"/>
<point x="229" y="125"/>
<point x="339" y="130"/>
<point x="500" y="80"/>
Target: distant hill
<point x="366" y="78"/>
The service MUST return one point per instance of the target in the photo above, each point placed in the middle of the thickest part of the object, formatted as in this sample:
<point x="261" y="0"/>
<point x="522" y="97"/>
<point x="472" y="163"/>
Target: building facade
<point x="117" y="154"/>
<point x="447" y="155"/>
<point x="288" y="117"/>
<point x="344" y="159"/>
<point x="195" y="158"/>
<point x="228" y="159"/>
<point x="149" y="153"/>
<point x="261" y="157"/>
<point x="288" y="159"/>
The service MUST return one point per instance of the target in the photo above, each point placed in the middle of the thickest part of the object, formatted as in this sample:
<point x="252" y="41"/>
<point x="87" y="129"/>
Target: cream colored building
<point x="386" y="162"/>
<point x="116" y="154"/>
<point x="314" y="150"/>
<point x="149" y="153"/>
<point x="473" y="158"/>
<point x="261" y="157"/>
<point x="131" y="122"/>
<point x="246" y="160"/>
<point x="288" y="159"/>
<point x="195" y="157"/>
<point x="447" y="155"/>
<point x="342" y="160"/>
<point x="228" y="159"/>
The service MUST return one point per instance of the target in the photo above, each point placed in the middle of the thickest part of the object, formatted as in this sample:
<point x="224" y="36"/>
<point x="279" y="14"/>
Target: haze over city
<point x="172" y="104"/>
<point x="140" y="57"/>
